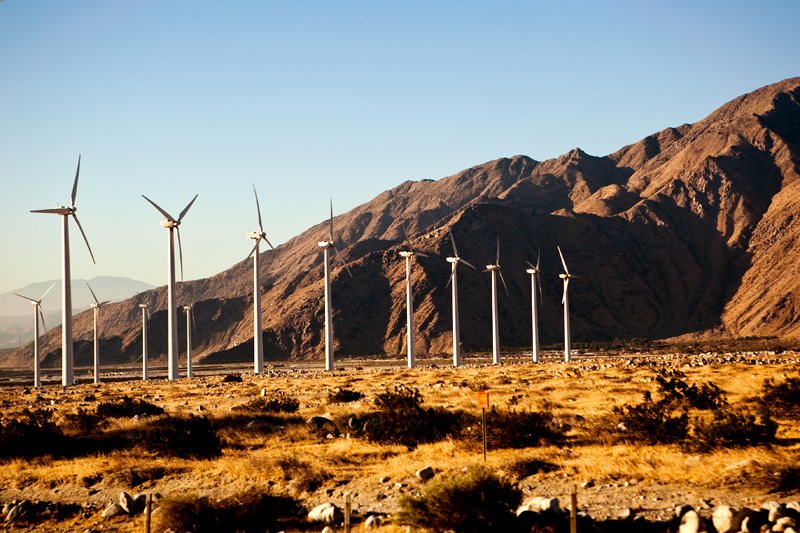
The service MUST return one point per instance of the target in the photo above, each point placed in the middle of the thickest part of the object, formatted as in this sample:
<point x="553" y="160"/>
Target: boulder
<point x="372" y="522"/>
<point x="139" y="503"/>
<point x="748" y="521"/>
<point x="15" y="512"/>
<point x="126" y="502"/>
<point x="775" y="510"/>
<point x="318" y="422"/>
<point x="113" y="510"/>
<point x="783" y="523"/>
<point x="326" y="513"/>
<point x="256" y="424"/>
<point x="690" y="522"/>
<point x="722" y="518"/>
<point x="425" y="473"/>
<point x="353" y="422"/>
<point x="540" y="504"/>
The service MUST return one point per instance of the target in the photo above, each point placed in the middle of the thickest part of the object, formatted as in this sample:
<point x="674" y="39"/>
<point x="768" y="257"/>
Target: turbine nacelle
<point x="492" y="267"/>
<point x="325" y="244"/>
<point x="170" y="223"/>
<point x="453" y="259"/>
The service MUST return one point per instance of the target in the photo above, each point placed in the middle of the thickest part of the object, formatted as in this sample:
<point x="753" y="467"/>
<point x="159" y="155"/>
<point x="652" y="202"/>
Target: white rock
<point x="372" y="522"/>
<point x="384" y="479"/>
<point x="126" y="502"/>
<point x="690" y="523"/>
<point x="326" y="512"/>
<point x="327" y="529"/>
<point x="722" y="517"/>
<point x="113" y="510"/>
<point x="540" y="504"/>
<point x="425" y="473"/>
<point x="783" y="523"/>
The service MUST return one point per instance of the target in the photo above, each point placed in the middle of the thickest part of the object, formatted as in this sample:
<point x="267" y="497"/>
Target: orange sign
<point x="483" y="400"/>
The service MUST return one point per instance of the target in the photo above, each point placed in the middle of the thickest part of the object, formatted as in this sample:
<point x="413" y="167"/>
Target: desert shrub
<point x="302" y="475"/>
<point x="522" y="467"/>
<point x="788" y="480"/>
<point x="251" y="511"/>
<point x="126" y="407"/>
<point x="82" y="422"/>
<point x="477" y="385"/>
<point x="232" y="378"/>
<point x="730" y="429"/>
<point x="781" y="399"/>
<point x="652" y="423"/>
<point x="517" y="429"/>
<point x="192" y="436"/>
<point x="344" y="396"/>
<point x="410" y="427"/>
<point x="477" y="502"/>
<point x="677" y="393"/>
<point x="33" y="434"/>
<point x="277" y="403"/>
<point x="401" y="397"/>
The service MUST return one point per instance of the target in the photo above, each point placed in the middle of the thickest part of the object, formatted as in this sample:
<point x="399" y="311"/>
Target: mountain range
<point x="690" y="231"/>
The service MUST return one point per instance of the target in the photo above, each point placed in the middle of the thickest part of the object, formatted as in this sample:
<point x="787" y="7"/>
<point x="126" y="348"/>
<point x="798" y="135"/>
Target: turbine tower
<point x="258" y="340"/>
<point x="454" y="279"/>
<point x="37" y="312"/>
<point x="534" y="271"/>
<point x="96" y="306"/>
<point x="327" y="245"/>
<point x="565" y="276"/>
<point x="409" y="255"/>
<point x="190" y="327"/>
<point x="495" y="269"/>
<point x="172" y="327"/>
<point x="67" y="368"/>
<point x="145" y="322"/>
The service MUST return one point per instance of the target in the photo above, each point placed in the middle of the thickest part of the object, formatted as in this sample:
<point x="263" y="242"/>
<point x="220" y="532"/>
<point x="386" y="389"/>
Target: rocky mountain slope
<point x="692" y="230"/>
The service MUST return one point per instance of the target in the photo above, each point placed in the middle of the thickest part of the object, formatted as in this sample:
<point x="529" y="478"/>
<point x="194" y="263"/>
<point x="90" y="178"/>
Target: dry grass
<point x="297" y="460"/>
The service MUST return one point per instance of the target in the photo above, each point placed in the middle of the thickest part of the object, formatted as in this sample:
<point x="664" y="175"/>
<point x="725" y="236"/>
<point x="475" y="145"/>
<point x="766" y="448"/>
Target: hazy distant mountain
<point x="16" y="314"/>
<point x="690" y="231"/>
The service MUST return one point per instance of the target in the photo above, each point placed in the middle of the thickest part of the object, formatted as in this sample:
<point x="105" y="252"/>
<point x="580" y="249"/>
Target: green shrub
<point x="730" y="429"/>
<point x="127" y="407"/>
<point x="652" y="423"/>
<point x="33" y="434"/>
<point x="251" y="511"/>
<point x="277" y="403"/>
<point x="475" y="503"/>
<point x="676" y="392"/>
<point x="781" y="399"/>
<point x="344" y="396"/>
<point x="192" y="436"/>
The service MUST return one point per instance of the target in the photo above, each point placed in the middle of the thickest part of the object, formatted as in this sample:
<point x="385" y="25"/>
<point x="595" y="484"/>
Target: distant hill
<point x="16" y="314"/>
<point x="691" y="231"/>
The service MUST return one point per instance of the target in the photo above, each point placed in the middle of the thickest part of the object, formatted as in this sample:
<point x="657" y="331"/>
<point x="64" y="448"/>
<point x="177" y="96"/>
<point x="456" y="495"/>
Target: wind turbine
<point x="534" y="271"/>
<point x="409" y="255"/>
<point x="258" y="341"/>
<point x="495" y="269"/>
<point x="37" y="312"/>
<point x="190" y="327"/>
<point x="145" y="322"/>
<point x="67" y="367"/>
<point x="454" y="279"/>
<point x="565" y="300"/>
<point x="96" y="305"/>
<point x="172" y="327"/>
<point x="327" y="245"/>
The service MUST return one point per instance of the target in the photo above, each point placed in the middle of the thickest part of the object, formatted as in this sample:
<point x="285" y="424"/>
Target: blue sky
<point x="327" y="99"/>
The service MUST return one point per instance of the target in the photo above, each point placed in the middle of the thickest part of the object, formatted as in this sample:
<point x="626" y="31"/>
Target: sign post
<point x="483" y="403"/>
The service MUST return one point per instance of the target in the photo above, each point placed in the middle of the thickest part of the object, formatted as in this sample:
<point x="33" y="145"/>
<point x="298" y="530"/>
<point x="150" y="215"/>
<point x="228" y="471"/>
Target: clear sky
<point x="311" y="100"/>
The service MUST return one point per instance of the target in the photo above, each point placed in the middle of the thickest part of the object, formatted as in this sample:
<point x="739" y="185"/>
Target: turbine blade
<point x="106" y="302"/>
<point x="93" y="296"/>
<point x="186" y="210"/>
<point x="48" y="290"/>
<point x="84" y="237"/>
<point x="453" y="242"/>
<point x="453" y="273"/>
<point x="538" y="257"/>
<point x="539" y="285"/>
<point x="564" y="296"/>
<point x="21" y="296"/>
<point x="530" y="265"/>
<point x="342" y="260"/>
<point x="421" y="254"/>
<point x="41" y="315"/>
<point x="180" y="250"/>
<point x="498" y="250"/>
<point x="503" y="280"/>
<point x="562" y="260"/>
<point x="258" y="208"/>
<point x="405" y="233"/>
<point x="330" y="234"/>
<point x="267" y="241"/>
<point x="75" y="185"/>
<point x="258" y="241"/>
<point x="194" y="325"/>
<point x="463" y="261"/>
<point x="57" y="211"/>
<point x="167" y="215"/>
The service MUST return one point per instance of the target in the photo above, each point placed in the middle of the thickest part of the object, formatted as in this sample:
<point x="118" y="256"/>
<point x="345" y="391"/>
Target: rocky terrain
<point x="688" y="232"/>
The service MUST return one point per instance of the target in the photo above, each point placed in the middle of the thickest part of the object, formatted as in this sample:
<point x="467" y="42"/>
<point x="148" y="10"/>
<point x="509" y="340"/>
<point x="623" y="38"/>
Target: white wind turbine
<point x="67" y="367"/>
<point x="37" y="312"/>
<point x="96" y="306"/>
<point x="327" y="245"/>
<point x="534" y="271"/>
<point x="565" y="300"/>
<point x="172" y="322"/>
<point x="258" y="341"/>
<point x="495" y="269"/>
<point x="145" y="322"/>
<point x="190" y="327"/>
<point x="409" y="255"/>
<point x="454" y="279"/>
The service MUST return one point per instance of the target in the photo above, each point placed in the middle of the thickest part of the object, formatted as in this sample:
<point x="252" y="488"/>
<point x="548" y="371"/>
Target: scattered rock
<point x="384" y="479"/>
<point x="690" y="522"/>
<point x="425" y="473"/>
<point x="126" y="502"/>
<point x="113" y="510"/>
<point x="257" y="424"/>
<point x="327" y="513"/>
<point x="372" y="522"/>
<point x="318" y="421"/>
<point x="723" y="517"/>
<point x="540" y="504"/>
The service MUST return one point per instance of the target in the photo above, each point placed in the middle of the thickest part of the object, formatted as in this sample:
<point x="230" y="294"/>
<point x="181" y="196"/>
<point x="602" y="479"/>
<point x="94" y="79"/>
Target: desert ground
<point x="615" y="474"/>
